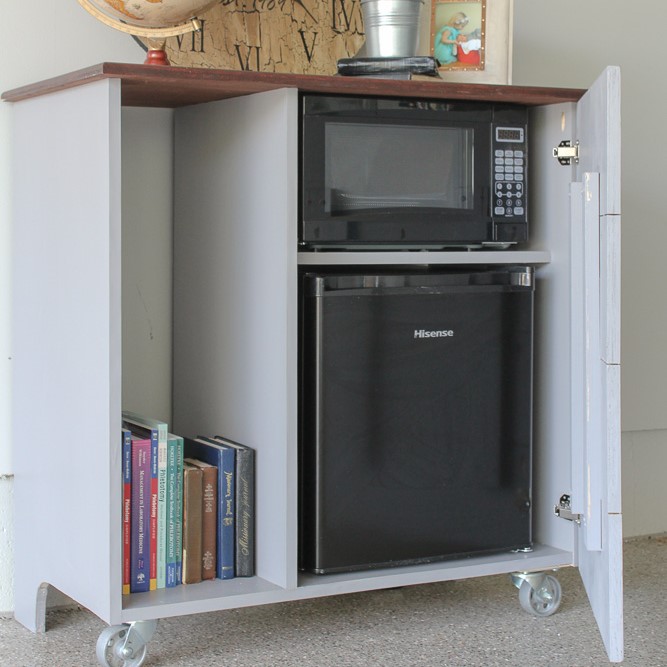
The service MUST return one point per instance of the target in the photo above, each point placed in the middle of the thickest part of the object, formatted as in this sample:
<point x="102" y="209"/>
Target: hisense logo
<point x="423" y="333"/>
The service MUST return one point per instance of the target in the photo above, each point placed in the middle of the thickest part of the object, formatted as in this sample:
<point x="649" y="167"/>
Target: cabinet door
<point x="595" y="356"/>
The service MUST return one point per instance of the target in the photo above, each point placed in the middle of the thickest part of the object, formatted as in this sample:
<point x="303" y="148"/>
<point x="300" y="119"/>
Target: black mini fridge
<point x="415" y="416"/>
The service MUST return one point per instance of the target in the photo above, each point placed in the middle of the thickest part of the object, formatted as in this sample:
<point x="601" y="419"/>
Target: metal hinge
<point x="564" y="509"/>
<point x="566" y="152"/>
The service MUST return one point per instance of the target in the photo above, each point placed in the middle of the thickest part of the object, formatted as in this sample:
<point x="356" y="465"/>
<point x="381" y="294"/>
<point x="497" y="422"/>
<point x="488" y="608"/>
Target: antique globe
<point x="153" y="19"/>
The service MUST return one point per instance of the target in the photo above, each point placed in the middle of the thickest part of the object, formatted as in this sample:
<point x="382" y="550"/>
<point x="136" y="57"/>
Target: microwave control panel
<point x="509" y="173"/>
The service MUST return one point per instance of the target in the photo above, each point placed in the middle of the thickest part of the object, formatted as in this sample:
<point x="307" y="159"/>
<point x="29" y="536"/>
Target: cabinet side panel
<point x="549" y="214"/>
<point x="147" y="260"/>
<point x="66" y="347"/>
<point x="235" y="306"/>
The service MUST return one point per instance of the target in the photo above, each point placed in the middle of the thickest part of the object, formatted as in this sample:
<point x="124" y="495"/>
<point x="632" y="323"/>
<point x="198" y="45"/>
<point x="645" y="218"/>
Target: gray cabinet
<point x="117" y="165"/>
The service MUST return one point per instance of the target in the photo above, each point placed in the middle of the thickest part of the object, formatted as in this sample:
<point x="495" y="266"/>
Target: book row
<point x="188" y="507"/>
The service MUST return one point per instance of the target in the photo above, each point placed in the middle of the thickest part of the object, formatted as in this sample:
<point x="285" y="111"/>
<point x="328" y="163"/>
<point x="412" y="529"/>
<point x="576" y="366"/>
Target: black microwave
<point x="380" y="173"/>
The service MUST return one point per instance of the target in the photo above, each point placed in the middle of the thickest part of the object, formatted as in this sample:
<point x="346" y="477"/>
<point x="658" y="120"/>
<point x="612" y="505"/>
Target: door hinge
<point x="566" y="152"/>
<point x="564" y="509"/>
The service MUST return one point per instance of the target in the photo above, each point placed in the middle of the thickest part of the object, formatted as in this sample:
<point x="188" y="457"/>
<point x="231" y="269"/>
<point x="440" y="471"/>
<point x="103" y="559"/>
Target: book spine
<point x="192" y="524"/>
<point x="172" y="473"/>
<point x="226" y="511"/>
<point x="209" y="521"/>
<point x="179" y="511"/>
<point x="153" y="511"/>
<point x="162" y="513"/>
<point x="127" y="509"/>
<point x="245" y="512"/>
<point x="141" y="473"/>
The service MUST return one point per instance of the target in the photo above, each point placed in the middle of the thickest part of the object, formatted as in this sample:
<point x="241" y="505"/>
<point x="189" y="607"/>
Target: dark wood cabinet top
<point x="170" y="87"/>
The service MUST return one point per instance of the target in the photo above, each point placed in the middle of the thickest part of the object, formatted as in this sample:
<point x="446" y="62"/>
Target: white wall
<point x="555" y="44"/>
<point x="567" y="44"/>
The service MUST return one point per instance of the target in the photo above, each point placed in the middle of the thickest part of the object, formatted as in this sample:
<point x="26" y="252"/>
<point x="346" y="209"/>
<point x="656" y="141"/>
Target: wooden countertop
<point x="170" y="87"/>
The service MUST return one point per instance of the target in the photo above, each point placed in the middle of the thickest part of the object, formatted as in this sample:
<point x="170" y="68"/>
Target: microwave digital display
<point x="389" y="173"/>
<point x="512" y="134"/>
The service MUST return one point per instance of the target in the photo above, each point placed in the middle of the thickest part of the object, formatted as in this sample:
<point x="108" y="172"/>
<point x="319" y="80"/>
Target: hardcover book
<point x="179" y="510"/>
<point x="153" y="514"/>
<point x="140" y="540"/>
<point x="157" y="429"/>
<point x="174" y="508"/>
<point x="390" y="66"/>
<point x="209" y="517"/>
<point x="245" y="507"/>
<point x="216" y="454"/>
<point x="192" y="523"/>
<point x="127" y="507"/>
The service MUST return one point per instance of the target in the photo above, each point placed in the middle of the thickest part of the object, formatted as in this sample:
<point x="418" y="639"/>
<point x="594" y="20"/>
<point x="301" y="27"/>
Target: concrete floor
<point x="476" y="622"/>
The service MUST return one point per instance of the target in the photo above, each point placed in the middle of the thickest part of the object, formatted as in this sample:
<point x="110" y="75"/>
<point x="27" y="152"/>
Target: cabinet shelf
<point x="542" y="557"/>
<point x="241" y="592"/>
<point x="205" y="596"/>
<point x="431" y="257"/>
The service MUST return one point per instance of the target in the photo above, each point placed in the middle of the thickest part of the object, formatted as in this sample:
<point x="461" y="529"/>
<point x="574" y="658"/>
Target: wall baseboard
<point x="644" y="462"/>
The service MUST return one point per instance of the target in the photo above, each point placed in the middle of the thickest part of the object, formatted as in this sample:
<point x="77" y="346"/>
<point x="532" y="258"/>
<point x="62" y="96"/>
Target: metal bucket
<point x="391" y="27"/>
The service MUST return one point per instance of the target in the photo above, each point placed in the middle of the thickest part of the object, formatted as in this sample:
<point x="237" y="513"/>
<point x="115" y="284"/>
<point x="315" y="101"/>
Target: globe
<point x="154" y="19"/>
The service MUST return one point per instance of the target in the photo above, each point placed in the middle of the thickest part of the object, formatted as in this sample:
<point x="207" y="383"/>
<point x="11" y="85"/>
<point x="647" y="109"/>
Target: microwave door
<point x="375" y="182"/>
<point x="391" y="166"/>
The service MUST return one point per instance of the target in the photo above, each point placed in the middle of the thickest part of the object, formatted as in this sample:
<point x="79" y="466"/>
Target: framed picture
<point x="458" y="29"/>
<point x="471" y="40"/>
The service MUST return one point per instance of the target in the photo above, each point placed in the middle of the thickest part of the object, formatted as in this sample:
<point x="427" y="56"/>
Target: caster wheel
<point x="113" y="650"/>
<point x="543" y="600"/>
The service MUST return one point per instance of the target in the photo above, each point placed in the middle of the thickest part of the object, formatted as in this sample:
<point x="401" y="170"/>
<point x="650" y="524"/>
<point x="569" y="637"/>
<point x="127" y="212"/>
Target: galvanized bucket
<point x="391" y="27"/>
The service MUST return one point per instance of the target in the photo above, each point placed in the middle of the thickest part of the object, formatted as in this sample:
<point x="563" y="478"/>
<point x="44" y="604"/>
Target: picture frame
<point x="477" y="49"/>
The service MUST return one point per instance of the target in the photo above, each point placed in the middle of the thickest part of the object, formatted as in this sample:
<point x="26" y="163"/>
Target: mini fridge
<point x="415" y="416"/>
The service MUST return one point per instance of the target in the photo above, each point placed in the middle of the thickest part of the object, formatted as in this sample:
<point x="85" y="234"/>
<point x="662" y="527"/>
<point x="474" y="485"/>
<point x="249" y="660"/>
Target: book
<point x="244" y="518"/>
<point x="209" y="517"/>
<point x="179" y="510"/>
<point x="192" y="523"/>
<point x="216" y="454"/>
<point x="140" y="516"/>
<point x="152" y="435"/>
<point x="159" y="428"/>
<point x="127" y="507"/>
<point x="153" y="517"/>
<point x="393" y="66"/>
<point x="174" y="494"/>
